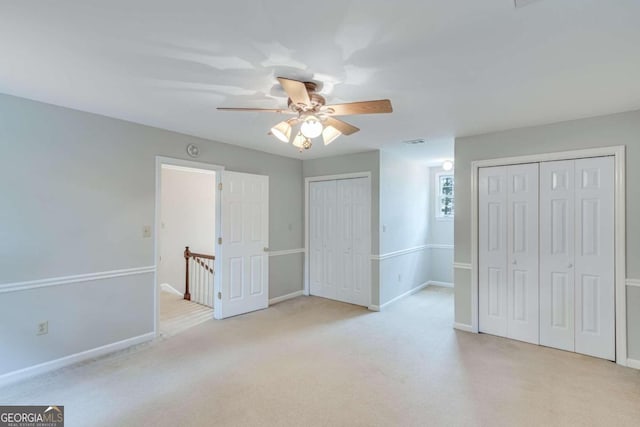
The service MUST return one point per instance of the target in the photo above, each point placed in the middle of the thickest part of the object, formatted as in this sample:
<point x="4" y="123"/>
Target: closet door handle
<point x="570" y="265"/>
<point x="514" y="262"/>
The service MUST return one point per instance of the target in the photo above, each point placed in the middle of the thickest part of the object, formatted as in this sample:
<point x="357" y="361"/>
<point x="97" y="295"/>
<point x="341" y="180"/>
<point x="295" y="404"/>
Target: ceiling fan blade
<point x="260" y="110"/>
<point x="364" y="107"/>
<point x="295" y="130"/>
<point x="343" y="127"/>
<point x="296" y="90"/>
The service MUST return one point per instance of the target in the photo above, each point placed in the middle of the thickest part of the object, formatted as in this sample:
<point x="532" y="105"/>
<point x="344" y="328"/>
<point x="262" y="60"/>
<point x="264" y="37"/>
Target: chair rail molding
<point x="633" y="282"/>
<point x="65" y="280"/>
<point x="287" y="252"/>
<point x="462" y="265"/>
<point x="411" y="250"/>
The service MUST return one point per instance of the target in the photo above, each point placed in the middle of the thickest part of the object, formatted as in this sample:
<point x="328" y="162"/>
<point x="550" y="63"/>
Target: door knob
<point x="266" y="249"/>
<point x="570" y="265"/>
<point x="514" y="262"/>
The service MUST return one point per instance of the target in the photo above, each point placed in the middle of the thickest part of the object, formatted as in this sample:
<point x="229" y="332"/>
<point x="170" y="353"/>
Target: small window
<point x="445" y="203"/>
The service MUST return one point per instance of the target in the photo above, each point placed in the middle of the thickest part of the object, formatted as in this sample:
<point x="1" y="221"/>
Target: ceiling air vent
<point x="414" y="141"/>
<point x="523" y="3"/>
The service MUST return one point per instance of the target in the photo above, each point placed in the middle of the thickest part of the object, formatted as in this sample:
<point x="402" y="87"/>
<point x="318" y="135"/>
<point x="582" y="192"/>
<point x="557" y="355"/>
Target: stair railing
<point x="198" y="277"/>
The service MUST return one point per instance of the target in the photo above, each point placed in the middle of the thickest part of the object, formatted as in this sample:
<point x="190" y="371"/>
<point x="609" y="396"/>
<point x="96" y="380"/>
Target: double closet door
<point x="546" y="245"/>
<point x="508" y="256"/>
<point x="339" y="240"/>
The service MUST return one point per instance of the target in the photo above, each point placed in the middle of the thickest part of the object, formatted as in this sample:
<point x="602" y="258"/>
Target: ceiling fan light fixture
<point x="447" y="165"/>
<point x="282" y="131"/>
<point x="329" y="134"/>
<point x="311" y="127"/>
<point x="313" y="117"/>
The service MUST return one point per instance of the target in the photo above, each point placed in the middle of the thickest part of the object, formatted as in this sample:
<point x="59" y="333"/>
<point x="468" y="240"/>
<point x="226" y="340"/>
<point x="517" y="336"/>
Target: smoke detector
<point x="522" y="3"/>
<point x="414" y="141"/>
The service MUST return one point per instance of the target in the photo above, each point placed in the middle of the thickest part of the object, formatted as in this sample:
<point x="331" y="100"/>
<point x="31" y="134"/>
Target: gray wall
<point x="361" y="162"/>
<point x="77" y="189"/>
<point x="440" y="233"/>
<point x="617" y="129"/>
<point x="404" y="224"/>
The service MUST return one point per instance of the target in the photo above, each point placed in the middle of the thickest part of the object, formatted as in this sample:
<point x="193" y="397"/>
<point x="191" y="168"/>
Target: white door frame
<point x="307" y="182"/>
<point x="160" y="160"/>
<point x="620" y="229"/>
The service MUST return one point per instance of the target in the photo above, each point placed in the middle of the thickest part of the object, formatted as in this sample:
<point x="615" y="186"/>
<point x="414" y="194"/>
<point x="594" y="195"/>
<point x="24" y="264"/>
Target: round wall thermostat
<point x="193" y="150"/>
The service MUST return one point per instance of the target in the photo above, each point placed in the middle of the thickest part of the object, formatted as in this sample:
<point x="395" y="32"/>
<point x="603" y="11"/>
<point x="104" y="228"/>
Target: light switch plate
<point x="146" y="231"/>
<point x="43" y="328"/>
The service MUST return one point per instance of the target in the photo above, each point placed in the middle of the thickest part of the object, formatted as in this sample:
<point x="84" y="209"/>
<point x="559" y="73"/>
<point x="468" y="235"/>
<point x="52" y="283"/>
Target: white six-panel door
<point x="594" y="261"/>
<point x="322" y="243"/>
<point x="522" y="252"/>
<point x="245" y="241"/>
<point x="557" y="258"/>
<point x="492" y="253"/>
<point x="339" y="242"/>
<point x="508" y="256"/>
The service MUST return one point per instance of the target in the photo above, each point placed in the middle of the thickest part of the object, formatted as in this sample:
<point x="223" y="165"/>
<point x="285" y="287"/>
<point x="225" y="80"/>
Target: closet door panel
<point x="557" y="258"/>
<point x="522" y="250"/>
<point x="594" y="262"/>
<point x="317" y="192"/>
<point x="361" y="243"/>
<point x="492" y="253"/>
<point x="322" y="237"/>
<point x="344" y="239"/>
<point x="330" y="251"/>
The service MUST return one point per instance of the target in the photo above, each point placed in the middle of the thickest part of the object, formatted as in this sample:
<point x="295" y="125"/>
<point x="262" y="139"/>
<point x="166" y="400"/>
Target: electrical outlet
<point x="146" y="231"/>
<point x="43" y="328"/>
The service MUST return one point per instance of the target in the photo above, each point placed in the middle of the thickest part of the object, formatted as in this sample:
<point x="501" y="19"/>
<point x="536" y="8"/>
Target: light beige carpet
<point x="315" y="362"/>
<point x="178" y="314"/>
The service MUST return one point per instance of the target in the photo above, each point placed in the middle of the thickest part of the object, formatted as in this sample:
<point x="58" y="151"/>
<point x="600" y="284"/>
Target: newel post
<point x="187" y="255"/>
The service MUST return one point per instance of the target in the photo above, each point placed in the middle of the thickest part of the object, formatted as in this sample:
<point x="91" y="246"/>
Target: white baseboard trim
<point x="285" y="297"/>
<point x="373" y="307"/>
<point x="22" y="374"/>
<point x="633" y="363"/>
<point x="168" y="288"/>
<point x="443" y="284"/>
<point x="286" y="252"/>
<point x="463" y="327"/>
<point x="399" y="297"/>
<point x="65" y="280"/>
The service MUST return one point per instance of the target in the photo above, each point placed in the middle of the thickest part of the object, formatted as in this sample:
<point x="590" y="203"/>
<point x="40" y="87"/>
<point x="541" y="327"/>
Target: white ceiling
<point x="451" y="68"/>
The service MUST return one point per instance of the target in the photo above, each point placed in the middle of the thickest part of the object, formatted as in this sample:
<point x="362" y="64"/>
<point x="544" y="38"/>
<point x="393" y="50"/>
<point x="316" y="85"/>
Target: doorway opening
<point x="187" y="223"/>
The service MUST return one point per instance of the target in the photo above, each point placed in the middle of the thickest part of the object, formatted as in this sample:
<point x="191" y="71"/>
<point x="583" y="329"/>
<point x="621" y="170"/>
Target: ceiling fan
<point x="312" y="117"/>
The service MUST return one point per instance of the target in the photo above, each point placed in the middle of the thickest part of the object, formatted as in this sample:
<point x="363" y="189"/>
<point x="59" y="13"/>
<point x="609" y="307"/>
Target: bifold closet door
<point x="322" y="239"/>
<point x="557" y="258"/>
<point x="508" y="251"/>
<point x="577" y="286"/>
<point x="492" y="253"/>
<point x="339" y="240"/>
<point x="352" y="240"/>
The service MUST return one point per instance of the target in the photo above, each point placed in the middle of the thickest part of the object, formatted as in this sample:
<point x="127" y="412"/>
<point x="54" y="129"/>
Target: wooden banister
<point x="195" y="255"/>
<point x="187" y="255"/>
<point x="198" y="258"/>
